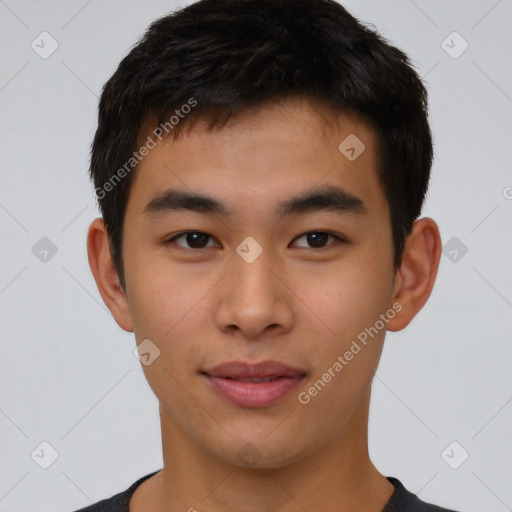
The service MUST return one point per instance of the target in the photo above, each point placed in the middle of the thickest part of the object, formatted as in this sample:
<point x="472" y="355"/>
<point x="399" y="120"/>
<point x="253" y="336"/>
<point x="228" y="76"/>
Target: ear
<point x="105" y="274"/>
<point x="415" y="278"/>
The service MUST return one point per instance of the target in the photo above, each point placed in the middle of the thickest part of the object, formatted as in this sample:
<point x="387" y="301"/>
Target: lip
<point x="225" y="380"/>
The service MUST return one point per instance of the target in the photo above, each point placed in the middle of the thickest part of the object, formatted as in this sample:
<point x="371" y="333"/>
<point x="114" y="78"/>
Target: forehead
<point x="264" y="156"/>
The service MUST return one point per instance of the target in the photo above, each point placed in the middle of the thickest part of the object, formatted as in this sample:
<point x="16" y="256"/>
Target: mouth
<point x="253" y="385"/>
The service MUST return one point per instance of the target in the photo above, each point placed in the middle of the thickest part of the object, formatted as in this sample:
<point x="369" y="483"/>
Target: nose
<point x="253" y="300"/>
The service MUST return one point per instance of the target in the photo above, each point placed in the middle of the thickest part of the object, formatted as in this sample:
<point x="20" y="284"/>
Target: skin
<point x="295" y="303"/>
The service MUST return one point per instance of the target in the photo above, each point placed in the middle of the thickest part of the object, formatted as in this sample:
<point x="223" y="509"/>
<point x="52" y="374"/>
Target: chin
<point x="262" y="451"/>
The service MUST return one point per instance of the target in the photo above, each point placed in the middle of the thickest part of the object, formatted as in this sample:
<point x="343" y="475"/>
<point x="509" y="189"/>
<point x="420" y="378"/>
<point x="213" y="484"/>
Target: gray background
<point x="68" y="375"/>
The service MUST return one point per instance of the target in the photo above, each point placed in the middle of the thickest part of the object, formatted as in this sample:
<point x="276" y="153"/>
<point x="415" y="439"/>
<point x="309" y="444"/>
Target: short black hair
<point x="217" y="58"/>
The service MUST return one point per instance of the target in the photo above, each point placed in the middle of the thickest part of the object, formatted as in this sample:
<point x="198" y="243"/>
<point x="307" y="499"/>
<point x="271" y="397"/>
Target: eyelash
<point x="336" y="237"/>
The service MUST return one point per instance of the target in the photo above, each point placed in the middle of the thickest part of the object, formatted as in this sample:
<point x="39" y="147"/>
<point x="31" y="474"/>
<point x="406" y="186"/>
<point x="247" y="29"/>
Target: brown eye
<point x="316" y="239"/>
<point x="193" y="240"/>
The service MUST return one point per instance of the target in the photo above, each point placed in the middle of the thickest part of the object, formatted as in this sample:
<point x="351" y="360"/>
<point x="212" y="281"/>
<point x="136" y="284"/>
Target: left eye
<point x="199" y="240"/>
<point x="316" y="239"/>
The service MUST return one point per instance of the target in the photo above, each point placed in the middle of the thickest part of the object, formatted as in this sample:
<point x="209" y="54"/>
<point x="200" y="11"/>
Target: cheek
<point x="346" y="296"/>
<point x="163" y="303"/>
<point x="349" y="303"/>
<point x="167" y="309"/>
<point x="160" y="294"/>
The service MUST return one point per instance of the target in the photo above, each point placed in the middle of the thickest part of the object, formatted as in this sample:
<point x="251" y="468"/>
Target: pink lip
<point x="225" y="381"/>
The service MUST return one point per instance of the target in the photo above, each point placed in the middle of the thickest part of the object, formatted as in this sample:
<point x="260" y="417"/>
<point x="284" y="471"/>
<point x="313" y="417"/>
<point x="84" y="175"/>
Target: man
<point x="260" y="167"/>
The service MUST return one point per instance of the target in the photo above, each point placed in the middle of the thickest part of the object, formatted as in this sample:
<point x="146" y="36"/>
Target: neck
<point x="339" y="472"/>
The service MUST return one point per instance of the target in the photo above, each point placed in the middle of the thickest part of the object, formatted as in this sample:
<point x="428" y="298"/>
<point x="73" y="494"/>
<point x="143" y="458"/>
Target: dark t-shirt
<point x="401" y="500"/>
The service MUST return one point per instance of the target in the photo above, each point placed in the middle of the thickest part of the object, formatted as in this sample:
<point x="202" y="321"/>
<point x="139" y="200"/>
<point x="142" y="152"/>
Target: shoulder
<point x="118" y="502"/>
<point x="403" y="500"/>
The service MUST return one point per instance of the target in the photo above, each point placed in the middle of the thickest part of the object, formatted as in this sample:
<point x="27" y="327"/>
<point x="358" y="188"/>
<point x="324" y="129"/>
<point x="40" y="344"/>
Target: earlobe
<point x="105" y="274"/>
<point x="417" y="273"/>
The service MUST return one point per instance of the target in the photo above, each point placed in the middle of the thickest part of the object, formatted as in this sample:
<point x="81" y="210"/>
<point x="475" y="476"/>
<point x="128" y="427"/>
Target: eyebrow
<point x="326" y="198"/>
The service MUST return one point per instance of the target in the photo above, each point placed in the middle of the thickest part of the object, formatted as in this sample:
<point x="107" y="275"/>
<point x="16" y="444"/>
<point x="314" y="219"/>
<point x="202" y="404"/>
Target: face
<point x="287" y="257"/>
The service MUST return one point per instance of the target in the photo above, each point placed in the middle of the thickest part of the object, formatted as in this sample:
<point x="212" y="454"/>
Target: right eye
<point x="195" y="240"/>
